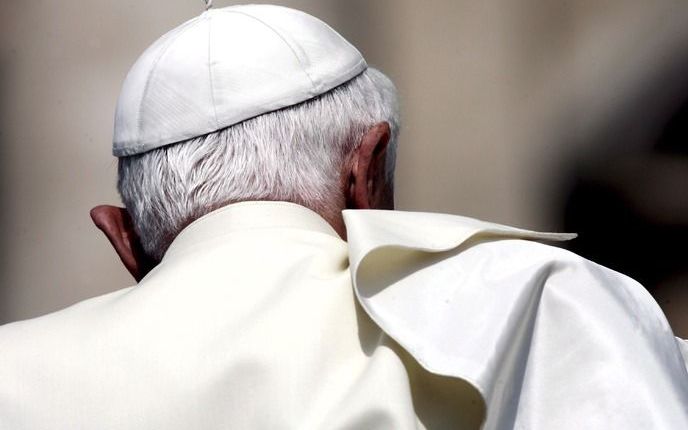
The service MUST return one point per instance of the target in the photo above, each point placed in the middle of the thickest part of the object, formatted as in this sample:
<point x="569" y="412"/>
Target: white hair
<point x="294" y="154"/>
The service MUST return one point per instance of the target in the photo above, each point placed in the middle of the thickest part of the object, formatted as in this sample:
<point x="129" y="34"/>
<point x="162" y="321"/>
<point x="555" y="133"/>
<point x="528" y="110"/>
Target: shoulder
<point x="42" y="340"/>
<point x="46" y="362"/>
<point x="61" y="320"/>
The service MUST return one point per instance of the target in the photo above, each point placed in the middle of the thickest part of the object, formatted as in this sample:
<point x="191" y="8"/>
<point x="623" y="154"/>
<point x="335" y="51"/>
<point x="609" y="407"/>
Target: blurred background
<point x="568" y="115"/>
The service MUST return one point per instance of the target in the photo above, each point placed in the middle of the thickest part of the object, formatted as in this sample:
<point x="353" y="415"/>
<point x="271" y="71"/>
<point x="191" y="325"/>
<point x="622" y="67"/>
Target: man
<point x="252" y="142"/>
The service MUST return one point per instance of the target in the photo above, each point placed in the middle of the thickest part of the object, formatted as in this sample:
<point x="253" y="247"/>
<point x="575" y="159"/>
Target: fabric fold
<point x="468" y="301"/>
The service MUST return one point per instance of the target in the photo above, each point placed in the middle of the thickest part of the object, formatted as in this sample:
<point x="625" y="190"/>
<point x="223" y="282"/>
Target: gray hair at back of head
<point x="294" y="154"/>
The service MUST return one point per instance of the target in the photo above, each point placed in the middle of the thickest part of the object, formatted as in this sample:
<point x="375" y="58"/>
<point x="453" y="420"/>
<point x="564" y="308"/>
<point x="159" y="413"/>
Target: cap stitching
<point x="125" y="148"/>
<point x="341" y="38"/>
<point x="154" y="67"/>
<point x="278" y="34"/>
<point x="210" y="73"/>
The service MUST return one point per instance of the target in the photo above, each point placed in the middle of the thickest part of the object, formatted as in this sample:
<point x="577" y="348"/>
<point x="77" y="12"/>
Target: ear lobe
<point x="117" y="226"/>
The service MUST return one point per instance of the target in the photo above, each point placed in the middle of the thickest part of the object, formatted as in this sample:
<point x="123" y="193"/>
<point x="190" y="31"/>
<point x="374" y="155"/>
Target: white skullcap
<point x="225" y="66"/>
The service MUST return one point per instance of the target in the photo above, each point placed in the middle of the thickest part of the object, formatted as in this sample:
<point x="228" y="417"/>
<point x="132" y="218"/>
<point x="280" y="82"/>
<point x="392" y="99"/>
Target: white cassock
<point x="261" y="317"/>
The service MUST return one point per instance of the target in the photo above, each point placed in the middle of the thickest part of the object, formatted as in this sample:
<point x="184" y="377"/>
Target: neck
<point x="331" y="212"/>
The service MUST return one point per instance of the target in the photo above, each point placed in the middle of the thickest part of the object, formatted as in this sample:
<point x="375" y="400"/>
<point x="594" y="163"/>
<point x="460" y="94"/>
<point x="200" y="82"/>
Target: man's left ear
<point x="368" y="187"/>
<point x="116" y="223"/>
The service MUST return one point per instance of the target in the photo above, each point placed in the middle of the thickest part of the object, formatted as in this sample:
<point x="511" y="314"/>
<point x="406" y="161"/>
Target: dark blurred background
<point x="565" y="115"/>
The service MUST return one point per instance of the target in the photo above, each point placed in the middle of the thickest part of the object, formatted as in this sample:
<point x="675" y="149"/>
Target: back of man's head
<point x="294" y="154"/>
<point x="254" y="102"/>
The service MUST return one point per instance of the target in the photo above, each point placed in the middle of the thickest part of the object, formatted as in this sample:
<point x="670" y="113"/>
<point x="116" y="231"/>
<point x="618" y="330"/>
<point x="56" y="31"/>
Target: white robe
<point x="252" y="321"/>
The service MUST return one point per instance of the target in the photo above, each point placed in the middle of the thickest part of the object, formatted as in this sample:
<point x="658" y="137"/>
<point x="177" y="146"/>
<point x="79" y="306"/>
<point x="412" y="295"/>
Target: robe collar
<point x="249" y="215"/>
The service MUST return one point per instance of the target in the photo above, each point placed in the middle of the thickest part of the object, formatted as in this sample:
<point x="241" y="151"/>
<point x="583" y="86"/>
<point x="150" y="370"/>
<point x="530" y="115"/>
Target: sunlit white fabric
<point x="225" y="66"/>
<point x="551" y="340"/>
<point x="251" y="322"/>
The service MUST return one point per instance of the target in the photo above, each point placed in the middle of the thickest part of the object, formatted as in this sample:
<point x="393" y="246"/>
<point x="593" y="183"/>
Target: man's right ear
<point x="116" y="224"/>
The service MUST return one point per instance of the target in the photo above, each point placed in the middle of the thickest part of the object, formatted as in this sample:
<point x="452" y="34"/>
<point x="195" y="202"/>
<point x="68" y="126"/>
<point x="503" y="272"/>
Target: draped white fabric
<point x="252" y="321"/>
<point x="551" y="340"/>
